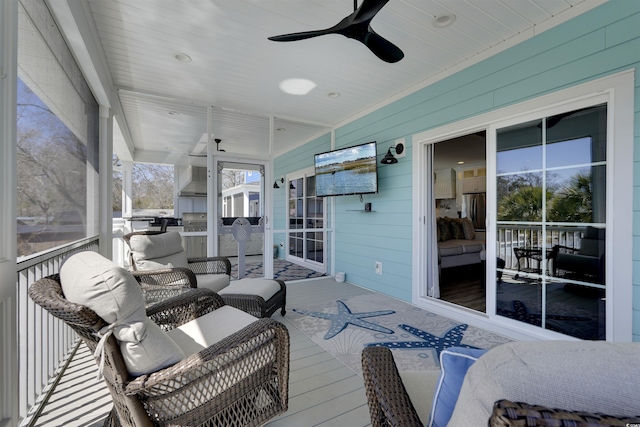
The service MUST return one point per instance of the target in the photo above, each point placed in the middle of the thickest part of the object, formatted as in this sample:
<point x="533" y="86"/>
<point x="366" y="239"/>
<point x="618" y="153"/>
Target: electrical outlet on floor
<point x="378" y="267"/>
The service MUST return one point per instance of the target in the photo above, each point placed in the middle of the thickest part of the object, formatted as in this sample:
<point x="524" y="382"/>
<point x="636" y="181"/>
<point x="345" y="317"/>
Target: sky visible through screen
<point x="346" y="154"/>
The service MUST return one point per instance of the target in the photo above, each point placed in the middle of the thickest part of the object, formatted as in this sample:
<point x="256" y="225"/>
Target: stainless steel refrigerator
<point x="475" y="207"/>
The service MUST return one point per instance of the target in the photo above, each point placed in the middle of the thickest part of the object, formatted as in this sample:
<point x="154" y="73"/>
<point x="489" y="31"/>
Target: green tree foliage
<point x="520" y="199"/>
<point x="573" y="202"/>
<point x="523" y="204"/>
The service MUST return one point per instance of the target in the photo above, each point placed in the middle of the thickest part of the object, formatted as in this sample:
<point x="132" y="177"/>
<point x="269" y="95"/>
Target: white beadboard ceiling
<point x="235" y="71"/>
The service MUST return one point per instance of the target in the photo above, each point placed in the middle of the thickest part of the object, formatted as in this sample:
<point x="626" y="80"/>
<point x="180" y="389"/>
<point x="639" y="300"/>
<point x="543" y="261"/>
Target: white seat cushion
<point x="262" y="287"/>
<point x="209" y="329"/>
<point x="215" y="282"/>
<point x="420" y="386"/>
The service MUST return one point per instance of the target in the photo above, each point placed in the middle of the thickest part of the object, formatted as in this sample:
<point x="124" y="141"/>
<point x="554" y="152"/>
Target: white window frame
<point x="313" y="265"/>
<point x="618" y="92"/>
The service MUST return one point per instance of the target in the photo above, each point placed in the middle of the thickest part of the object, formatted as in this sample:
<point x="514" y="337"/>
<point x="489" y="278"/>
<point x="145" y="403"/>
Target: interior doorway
<point x="459" y="230"/>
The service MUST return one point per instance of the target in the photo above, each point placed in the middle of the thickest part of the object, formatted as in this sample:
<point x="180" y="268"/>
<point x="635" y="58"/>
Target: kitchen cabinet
<point x="195" y="246"/>
<point x="445" y="184"/>
<point x="474" y="180"/>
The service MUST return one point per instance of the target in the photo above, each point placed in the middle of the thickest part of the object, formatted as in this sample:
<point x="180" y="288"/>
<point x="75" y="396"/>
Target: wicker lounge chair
<point x="389" y="402"/>
<point x="212" y="272"/>
<point x="151" y="250"/>
<point x="241" y="380"/>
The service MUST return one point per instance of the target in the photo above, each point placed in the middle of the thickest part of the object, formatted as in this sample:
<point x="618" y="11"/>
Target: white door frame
<point x="618" y="91"/>
<point x="212" y="197"/>
<point x="322" y="268"/>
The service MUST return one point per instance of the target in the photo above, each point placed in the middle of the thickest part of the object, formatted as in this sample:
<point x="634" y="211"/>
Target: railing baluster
<point x="44" y="341"/>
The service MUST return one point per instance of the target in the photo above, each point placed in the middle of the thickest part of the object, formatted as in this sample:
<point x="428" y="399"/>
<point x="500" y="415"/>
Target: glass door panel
<point x="306" y="231"/>
<point x="241" y="217"/>
<point x="551" y="224"/>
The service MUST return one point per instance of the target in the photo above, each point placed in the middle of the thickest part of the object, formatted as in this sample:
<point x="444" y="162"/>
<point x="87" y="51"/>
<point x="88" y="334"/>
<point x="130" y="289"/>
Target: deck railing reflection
<point x="511" y="236"/>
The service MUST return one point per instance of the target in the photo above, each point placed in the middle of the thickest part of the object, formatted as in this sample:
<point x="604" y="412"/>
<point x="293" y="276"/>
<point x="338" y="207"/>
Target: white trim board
<point x="618" y="91"/>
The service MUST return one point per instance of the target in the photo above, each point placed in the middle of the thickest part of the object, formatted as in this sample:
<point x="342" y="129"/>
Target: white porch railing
<point x="45" y="343"/>
<point x="519" y="236"/>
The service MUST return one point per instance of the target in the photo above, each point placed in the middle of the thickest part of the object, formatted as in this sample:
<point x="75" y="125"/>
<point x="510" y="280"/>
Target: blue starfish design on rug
<point x="345" y="317"/>
<point x="450" y="339"/>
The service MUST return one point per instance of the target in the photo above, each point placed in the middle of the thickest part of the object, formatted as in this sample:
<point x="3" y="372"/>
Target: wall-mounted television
<point x="350" y="170"/>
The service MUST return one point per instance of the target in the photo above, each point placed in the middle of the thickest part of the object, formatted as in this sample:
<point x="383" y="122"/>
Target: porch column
<point x="9" y="410"/>
<point x="127" y="189"/>
<point x="105" y="182"/>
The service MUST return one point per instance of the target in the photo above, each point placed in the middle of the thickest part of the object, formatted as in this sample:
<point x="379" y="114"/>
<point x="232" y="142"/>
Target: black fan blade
<point x="356" y="26"/>
<point x="382" y="47"/>
<point x="301" y="36"/>
<point x="367" y="10"/>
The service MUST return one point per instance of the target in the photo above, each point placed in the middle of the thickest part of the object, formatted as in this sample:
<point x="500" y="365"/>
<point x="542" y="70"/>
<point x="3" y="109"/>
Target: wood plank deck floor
<point x="322" y="390"/>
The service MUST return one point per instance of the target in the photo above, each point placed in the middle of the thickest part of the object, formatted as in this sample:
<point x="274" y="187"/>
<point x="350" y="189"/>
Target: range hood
<point x="193" y="182"/>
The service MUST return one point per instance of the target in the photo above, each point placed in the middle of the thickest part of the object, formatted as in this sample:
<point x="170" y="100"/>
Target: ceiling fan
<point x="356" y="26"/>
<point x="217" y="141"/>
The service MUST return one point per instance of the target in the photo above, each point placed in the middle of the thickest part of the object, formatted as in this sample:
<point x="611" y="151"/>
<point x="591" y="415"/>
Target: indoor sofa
<point x="588" y="382"/>
<point x="458" y="242"/>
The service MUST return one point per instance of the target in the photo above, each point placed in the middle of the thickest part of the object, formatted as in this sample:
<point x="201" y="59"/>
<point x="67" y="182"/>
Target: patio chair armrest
<point x="170" y="278"/>
<point x="237" y="366"/>
<point x="184" y="307"/>
<point x="389" y="403"/>
<point x="210" y="265"/>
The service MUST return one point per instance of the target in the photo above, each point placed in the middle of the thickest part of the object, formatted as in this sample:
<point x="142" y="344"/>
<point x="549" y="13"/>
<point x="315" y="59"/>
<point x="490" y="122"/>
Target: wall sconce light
<point x="275" y="183"/>
<point x="388" y="158"/>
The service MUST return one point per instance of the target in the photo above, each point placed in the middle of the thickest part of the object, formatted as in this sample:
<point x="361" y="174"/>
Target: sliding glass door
<point x="551" y="222"/>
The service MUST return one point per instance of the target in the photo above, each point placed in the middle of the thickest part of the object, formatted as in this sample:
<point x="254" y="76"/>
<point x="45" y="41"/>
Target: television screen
<point x="351" y="170"/>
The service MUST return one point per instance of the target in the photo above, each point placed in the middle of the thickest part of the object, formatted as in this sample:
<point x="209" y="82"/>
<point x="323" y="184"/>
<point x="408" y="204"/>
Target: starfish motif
<point x="345" y="317"/>
<point x="450" y="339"/>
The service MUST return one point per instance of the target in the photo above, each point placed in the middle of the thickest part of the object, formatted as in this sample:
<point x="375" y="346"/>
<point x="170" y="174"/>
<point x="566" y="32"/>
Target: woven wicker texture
<point x="252" y="304"/>
<point x="389" y="404"/>
<point x="518" y="414"/>
<point x="240" y="381"/>
<point x="256" y="305"/>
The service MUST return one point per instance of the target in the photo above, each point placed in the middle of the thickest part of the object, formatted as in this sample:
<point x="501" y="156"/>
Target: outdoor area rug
<point x="344" y="327"/>
<point x="282" y="270"/>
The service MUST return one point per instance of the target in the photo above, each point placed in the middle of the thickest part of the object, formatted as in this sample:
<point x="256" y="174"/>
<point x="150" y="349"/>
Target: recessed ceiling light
<point x="297" y="86"/>
<point x="183" y="57"/>
<point x="461" y="162"/>
<point x="174" y="113"/>
<point x="443" y="20"/>
<point x="281" y="129"/>
<point x="333" y="94"/>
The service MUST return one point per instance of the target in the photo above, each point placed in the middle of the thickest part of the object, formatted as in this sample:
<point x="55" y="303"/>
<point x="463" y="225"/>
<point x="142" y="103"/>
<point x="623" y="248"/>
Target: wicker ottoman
<point x="258" y="297"/>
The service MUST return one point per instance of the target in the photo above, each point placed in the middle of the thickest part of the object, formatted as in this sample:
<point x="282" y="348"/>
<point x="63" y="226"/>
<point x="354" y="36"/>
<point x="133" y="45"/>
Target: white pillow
<point x="89" y="279"/>
<point x="151" y="252"/>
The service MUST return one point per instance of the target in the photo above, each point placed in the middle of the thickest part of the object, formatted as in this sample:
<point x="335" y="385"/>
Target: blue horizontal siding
<point x="601" y="42"/>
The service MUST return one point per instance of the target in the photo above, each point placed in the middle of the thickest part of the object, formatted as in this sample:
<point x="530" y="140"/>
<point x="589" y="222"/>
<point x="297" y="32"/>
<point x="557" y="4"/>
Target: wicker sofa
<point x="512" y="385"/>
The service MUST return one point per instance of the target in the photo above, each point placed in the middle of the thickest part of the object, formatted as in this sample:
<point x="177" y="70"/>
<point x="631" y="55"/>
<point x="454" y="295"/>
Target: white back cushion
<point x="591" y="376"/>
<point x="151" y="252"/>
<point x="89" y="279"/>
